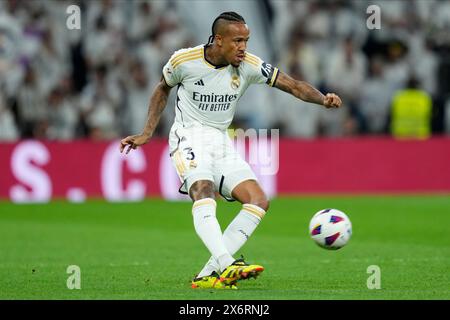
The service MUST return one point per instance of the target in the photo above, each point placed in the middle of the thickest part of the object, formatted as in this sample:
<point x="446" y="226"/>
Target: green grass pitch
<point x="149" y="250"/>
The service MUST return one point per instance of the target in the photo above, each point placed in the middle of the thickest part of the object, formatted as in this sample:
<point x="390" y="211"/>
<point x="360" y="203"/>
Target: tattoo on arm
<point x="300" y="89"/>
<point x="157" y="105"/>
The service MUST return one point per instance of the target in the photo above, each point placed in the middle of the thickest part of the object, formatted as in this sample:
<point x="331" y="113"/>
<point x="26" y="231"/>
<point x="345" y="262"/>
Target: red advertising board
<point x="364" y="165"/>
<point x="37" y="171"/>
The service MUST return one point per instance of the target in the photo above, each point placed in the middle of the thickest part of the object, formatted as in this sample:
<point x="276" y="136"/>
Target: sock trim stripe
<point x="253" y="211"/>
<point x="254" y="207"/>
<point x="203" y="202"/>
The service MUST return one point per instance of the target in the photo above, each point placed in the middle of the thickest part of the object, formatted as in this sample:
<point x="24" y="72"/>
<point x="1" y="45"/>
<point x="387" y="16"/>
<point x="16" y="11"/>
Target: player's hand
<point x="332" y="101"/>
<point x="133" y="142"/>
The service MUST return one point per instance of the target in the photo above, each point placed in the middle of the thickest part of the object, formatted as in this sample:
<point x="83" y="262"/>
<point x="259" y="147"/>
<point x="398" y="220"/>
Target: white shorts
<point x="206" y="153"/>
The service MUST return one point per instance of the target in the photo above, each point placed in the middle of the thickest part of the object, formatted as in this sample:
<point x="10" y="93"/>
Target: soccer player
<point x="210" y="79"/>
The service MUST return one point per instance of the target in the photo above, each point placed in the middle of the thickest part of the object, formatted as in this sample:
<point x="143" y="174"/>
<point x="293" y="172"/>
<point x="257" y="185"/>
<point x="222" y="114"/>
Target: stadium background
<point x="66" y="96"/>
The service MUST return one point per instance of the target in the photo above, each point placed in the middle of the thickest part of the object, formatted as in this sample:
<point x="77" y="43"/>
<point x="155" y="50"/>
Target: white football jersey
<point x="207" y="94"/>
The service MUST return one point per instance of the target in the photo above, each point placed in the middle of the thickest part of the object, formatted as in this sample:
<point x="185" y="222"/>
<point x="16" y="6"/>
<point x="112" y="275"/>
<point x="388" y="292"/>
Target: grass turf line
<point x="149" y="250"/>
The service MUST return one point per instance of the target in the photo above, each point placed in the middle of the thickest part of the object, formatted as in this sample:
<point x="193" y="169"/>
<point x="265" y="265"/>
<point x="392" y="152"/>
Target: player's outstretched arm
<point x="306" y="92"/>
<point x="158" y="102"/>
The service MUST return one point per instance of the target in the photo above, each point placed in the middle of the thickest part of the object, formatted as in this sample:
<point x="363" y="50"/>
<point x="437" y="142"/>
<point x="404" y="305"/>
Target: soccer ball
<point x="330" y="228"/>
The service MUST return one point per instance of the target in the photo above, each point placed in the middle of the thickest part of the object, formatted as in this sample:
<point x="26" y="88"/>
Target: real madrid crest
<point x="235" y="82"/>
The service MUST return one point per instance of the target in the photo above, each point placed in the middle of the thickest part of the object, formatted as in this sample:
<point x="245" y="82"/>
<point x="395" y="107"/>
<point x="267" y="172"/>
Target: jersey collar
<point x="210" y="64"/>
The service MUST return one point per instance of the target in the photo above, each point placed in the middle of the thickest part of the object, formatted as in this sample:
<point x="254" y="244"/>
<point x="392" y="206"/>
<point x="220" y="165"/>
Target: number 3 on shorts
<point x="190" y="153"/>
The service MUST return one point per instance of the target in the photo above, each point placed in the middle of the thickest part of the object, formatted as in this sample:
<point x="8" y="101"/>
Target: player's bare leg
<point x="255" y="204"/>
<point x="202" y="189"/>
<point x="250" y="192"/>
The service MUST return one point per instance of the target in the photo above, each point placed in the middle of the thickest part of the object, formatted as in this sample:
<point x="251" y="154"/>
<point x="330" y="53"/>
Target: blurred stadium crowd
<point x="62" y="84"/>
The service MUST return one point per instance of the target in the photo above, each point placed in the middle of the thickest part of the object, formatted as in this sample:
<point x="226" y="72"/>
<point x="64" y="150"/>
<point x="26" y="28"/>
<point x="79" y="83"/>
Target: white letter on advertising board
<point x="112" y="174"/>
<point x="29" y="174"/>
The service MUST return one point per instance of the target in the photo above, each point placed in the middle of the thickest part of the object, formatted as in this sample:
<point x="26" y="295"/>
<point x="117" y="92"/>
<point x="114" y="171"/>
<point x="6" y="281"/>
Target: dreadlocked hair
<point x="229" y="16"/>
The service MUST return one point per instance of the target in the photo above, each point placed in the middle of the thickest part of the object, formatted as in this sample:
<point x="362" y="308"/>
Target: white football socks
<point x="208" y="229"/>
<point x="236" y="234"/>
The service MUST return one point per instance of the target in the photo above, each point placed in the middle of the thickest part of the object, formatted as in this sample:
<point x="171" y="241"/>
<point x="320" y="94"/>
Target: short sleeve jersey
<point x="206" y="94"/>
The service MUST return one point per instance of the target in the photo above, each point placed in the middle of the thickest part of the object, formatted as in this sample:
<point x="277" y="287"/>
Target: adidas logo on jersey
<point x="199" y="83"/>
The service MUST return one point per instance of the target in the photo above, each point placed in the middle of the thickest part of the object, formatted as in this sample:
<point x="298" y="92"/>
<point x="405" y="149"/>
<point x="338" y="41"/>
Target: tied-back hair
<point x="229" y="16"/>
